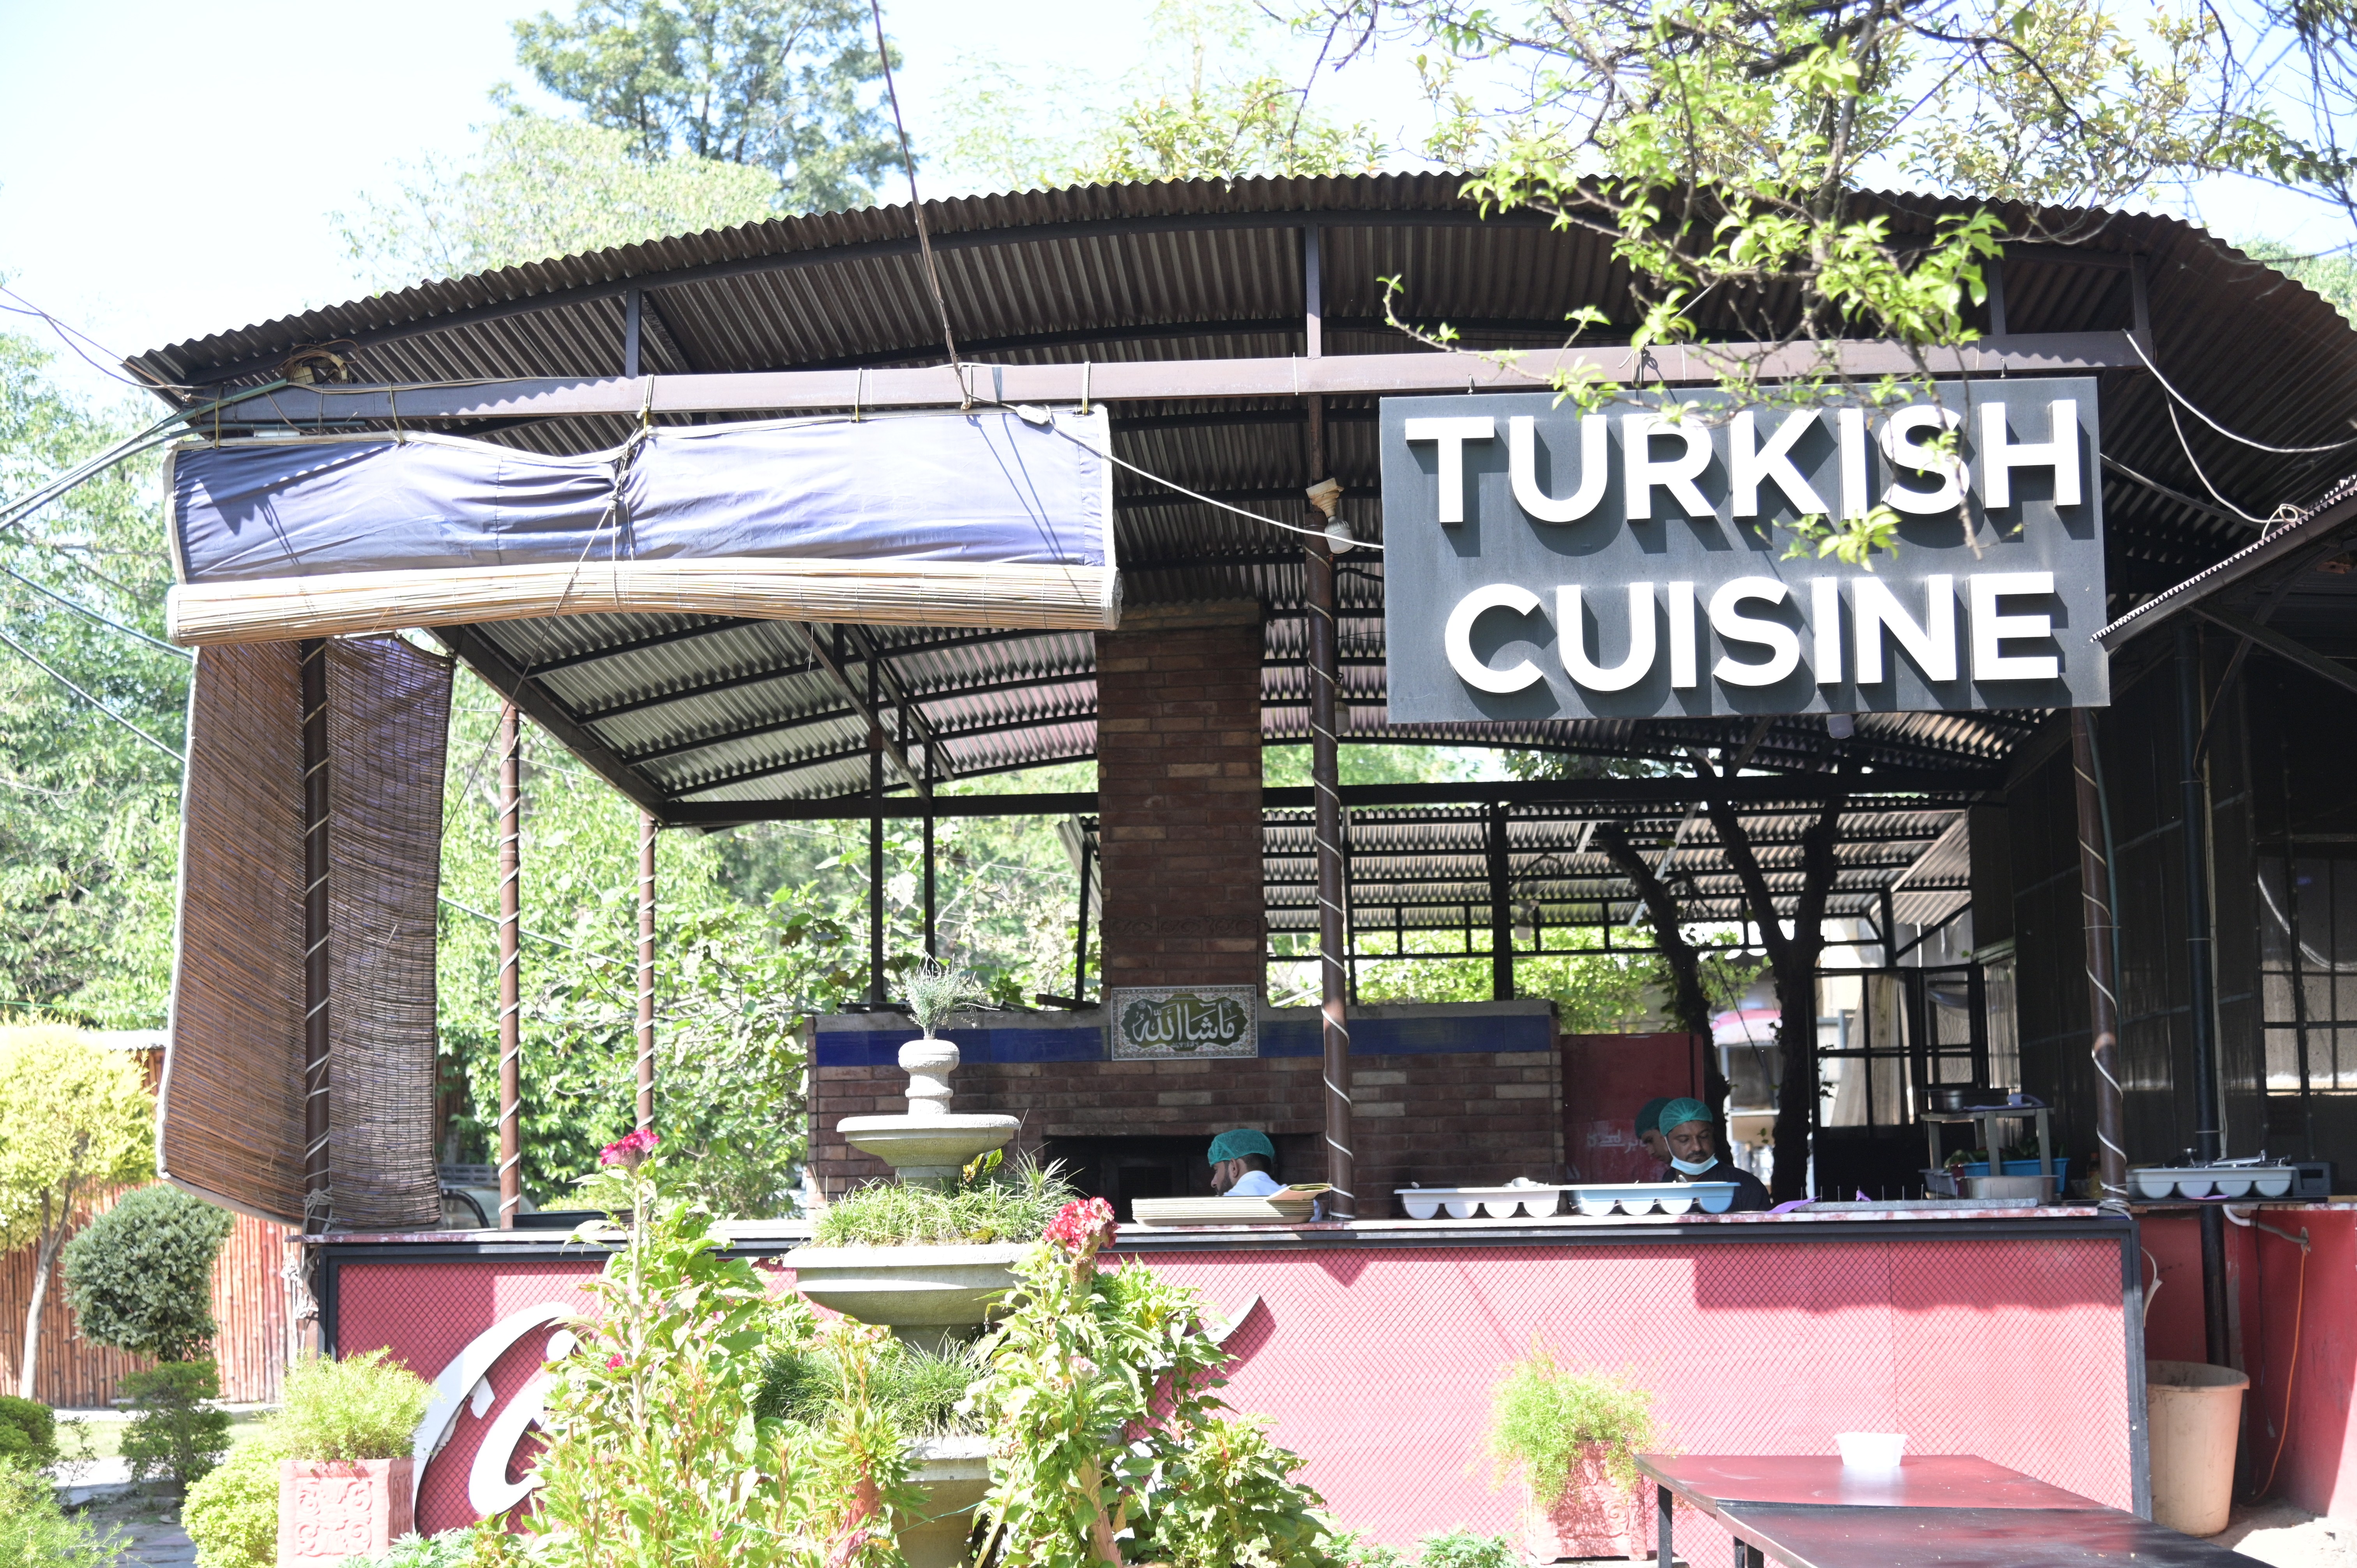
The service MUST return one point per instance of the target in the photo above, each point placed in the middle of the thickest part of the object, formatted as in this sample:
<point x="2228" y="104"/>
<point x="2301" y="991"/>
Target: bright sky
<point x="167" y="171"/>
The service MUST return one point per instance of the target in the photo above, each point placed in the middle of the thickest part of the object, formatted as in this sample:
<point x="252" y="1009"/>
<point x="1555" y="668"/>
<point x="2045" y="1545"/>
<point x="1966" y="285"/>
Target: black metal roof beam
<point x="520" y="686"/>
<point x="659" y="640"/>
<point x="1336" y="375"/>
<point x="911" y="707"/>
<point x="689" y="694"/>
<point x="889" y="744"/>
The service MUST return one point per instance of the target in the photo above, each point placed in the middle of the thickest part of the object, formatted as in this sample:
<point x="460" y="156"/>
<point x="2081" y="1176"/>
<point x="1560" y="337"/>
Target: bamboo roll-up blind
<point x="388" y="723"/>
<point x="231" y="1123"/>
<point x="906" y="593"/>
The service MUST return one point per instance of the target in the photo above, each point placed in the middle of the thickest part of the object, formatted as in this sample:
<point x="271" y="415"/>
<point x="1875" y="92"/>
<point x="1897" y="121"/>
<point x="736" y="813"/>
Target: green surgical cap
<point x="1678" y="1113"/>
<point x="1649" y="1120"/>
<point x="1235" y="1143"/>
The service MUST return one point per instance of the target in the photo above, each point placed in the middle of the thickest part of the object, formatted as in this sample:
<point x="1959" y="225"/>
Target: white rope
<point x="2254" y="445"/>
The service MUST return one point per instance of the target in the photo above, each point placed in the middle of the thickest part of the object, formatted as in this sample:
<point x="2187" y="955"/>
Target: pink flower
<point x="626" y="1152"/>
<point x="1083" y="1227"/>
<point x="613" y="1363"/>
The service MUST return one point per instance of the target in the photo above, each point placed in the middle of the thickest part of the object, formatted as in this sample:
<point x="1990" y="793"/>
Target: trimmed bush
<point x="28" y="1433"/>
<point x="232" y="1513"/>
<point x="179" y="1433"/>
<point x="361" y="1407"/>
<point x="139" y="1277"/>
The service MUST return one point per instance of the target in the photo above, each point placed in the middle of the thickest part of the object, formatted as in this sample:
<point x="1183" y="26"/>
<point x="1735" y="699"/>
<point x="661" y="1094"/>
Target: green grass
<point x="919" y="1389"/>
<point x="105" y="1437"/>
<point x="1014" y="1206"/>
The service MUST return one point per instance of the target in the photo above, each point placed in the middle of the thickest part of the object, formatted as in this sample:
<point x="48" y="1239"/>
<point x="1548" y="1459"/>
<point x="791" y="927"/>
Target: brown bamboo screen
<point x="231" y="1118"/>
<point x="230" y="1121"/>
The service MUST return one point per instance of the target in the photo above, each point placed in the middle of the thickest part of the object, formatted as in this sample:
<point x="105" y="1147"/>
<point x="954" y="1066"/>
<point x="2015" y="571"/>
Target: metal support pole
<point x="510" y="966"/>
<point x="1081" y="942"/>
<point x="646" y="969"/>
<point x="876" y="991"/>
<point x="1325" y="775"/>
<point x="2200" y="984"/>
<point x="317" y="1188"/>
<point x="2103" y="989"/>
<point x="933" y="950"/>
<point x="630" y="335"/>
<point x="1502" y="917"/>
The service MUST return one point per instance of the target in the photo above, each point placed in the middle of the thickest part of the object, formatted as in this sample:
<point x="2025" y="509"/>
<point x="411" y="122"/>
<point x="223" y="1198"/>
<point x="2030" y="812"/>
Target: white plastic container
<point x="2272" y="1182"/>
<point x="1420" y="1206"/>
<point x="1878" y="1451"/>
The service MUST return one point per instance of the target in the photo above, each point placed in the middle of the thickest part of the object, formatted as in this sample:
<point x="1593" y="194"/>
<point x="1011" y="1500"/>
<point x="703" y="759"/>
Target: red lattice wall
<point x="1377" y="1365"/>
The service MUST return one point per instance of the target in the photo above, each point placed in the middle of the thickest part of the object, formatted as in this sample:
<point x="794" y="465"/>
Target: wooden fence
<point x="249" y="1303"/>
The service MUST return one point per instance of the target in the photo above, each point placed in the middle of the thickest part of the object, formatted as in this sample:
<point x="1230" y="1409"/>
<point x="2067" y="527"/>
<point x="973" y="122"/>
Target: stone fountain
<point x="928" y="1295"/>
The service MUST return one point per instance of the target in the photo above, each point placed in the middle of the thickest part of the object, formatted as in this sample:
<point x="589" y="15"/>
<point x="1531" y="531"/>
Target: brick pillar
<point x="1178" y="794"/>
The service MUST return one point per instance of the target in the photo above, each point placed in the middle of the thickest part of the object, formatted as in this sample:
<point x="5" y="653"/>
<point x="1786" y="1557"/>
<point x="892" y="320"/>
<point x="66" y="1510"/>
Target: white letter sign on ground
<point x="1544" y="562"/>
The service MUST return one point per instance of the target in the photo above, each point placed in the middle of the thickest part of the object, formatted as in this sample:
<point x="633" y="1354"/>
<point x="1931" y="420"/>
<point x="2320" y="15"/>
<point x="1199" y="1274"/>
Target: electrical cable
<point x="2186" y="448"/>
<point x="916" y="206"/>
<point x="2254" y="445"/>
<point x="103" y="620"/>
<point x="166" y="429"/>
<point x="75" y="337"/>
<point x="36" y="659"/>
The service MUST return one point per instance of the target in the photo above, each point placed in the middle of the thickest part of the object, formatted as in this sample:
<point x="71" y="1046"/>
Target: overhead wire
<point x="68" y="683"/>
<point x="916" y="206"/>
<point x="2230" y="436"/>
<point x="83" y="609"/>
<point x="169" y="428"/>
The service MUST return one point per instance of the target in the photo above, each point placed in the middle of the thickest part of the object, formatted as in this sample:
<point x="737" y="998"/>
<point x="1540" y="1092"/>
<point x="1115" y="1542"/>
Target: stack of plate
<point x="1465" y="1202"/>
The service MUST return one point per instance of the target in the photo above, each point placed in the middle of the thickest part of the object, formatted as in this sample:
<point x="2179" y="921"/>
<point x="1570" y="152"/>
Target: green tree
<point x="76" y="1119"/>
<point x="89" y="811"/>
<point x="1211" y="103"/>
<point x="535" y="187"/>
<point x="2331" y="276"/>
<point x="139" y="1277"/>
<point x="791" y="87"/>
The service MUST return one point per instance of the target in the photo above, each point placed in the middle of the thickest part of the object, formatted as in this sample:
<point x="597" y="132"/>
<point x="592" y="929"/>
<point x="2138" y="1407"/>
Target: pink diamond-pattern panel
<point x="426" y="1313"/>
<point x="1377" y="1366"/>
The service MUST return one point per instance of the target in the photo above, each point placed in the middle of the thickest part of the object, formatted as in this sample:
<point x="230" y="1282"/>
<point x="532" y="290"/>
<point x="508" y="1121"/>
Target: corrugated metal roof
<point x="703" y="710"/>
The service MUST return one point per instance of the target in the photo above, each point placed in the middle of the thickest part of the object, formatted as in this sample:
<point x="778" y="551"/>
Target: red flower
<point x="629" y="1151"/>
<point x="1083" y="1227"/>
<point x="613" y="1363"/>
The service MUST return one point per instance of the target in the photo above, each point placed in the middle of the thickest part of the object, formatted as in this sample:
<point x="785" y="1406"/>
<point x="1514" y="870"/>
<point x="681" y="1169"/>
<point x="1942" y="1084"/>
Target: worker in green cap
<point x="1649" y="1128"/>
<point x="1243" y="1164"/>
<point x="1693" y="1155"/>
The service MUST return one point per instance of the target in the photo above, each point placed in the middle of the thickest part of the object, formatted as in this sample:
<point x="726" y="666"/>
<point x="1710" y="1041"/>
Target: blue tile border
<point x="1437" y="1035"/>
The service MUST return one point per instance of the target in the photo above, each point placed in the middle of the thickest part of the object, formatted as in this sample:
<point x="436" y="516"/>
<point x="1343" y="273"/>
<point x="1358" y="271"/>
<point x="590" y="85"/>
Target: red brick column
<point x="1179" y="792"/>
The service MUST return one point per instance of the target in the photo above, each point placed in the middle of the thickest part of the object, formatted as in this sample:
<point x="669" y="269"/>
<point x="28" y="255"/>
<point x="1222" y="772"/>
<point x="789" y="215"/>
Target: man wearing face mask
<point x="1693" y="1155"/>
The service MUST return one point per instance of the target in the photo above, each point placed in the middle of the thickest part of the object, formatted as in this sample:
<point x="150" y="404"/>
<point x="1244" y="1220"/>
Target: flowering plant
<point x="1100" y="1394"/>
<point x="630" y="1149"/>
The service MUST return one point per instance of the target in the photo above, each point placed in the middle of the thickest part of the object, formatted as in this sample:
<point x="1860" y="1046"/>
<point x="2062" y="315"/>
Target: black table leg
<point x="1742" y="1555"/>
<point x="1666" y="1556"/>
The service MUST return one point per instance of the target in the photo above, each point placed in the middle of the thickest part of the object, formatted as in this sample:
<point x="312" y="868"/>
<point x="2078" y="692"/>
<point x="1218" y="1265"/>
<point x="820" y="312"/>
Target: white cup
<point x="1870" y="1450"/>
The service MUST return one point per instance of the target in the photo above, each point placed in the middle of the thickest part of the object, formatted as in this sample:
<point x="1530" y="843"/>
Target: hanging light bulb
<point x="1340" y="538"/>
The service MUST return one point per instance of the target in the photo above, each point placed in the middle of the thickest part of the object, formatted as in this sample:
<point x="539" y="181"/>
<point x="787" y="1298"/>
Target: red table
<point x="1951" y="1510"/>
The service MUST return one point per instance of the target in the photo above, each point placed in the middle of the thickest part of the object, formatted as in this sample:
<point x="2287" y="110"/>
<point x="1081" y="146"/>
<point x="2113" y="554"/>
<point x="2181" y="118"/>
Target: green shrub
<point x="1461" y="1548"/>
<point x="232" y="1513"/>
<point x="179" y="1433"/>
<point x="28" y="1433"/>
<point x="34" y="1532"/>
<point x="1544" y="1417"/>
<point x="139" y="1277"/>
<point x="444" y="1548"/>
<point x="1010" y="1206"/>
<point x="360" y="1407"/>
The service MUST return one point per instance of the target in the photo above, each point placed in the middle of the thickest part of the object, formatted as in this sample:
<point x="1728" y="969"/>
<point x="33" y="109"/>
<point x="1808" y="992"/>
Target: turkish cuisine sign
<point x="1542" y="563"/>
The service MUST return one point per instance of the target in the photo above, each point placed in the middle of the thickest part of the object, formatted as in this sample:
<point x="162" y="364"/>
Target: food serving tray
<point x="1591" y="1198"/>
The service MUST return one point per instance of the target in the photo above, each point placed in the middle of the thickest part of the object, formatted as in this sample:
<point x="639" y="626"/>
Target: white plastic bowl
<point x="2272" y="1184"/>
<point x="1636" y="1203"/>
<point x="2155" y="1184"/>
<point x="1539" y="1206"/>
<point x="1500" y="1207"/>
<point x="1675" y="1204"/>
<point x="1419" y="1207"/>
<point x="2233" y="1187"/>
<point x="1595" y="1208"/>
<point x="1870" y="1450"/>
<point x="2193" y="1187"/>
<point x="1463" y="1208"/>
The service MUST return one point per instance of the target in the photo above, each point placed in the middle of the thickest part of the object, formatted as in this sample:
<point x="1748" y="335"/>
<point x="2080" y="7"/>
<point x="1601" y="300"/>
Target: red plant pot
<point x="329" y="1511"/>
<point x="1597" y="1517"/>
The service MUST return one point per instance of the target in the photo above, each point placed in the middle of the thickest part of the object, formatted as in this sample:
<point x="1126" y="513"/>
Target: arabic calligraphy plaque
<point x="1164" y="1023"/>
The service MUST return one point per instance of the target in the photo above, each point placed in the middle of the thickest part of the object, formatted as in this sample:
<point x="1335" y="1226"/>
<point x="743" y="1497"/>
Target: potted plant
<point x="1573" y="1437"/>
<point x="348" y="1488"/>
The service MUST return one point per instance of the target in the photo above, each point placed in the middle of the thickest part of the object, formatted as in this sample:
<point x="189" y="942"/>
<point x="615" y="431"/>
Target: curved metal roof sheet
<point x="691" y="709"/>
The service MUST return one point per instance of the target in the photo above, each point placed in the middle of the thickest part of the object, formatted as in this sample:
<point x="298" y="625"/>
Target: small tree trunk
<point x="45" y="1257"/>
<point x="1689" y="1004"/>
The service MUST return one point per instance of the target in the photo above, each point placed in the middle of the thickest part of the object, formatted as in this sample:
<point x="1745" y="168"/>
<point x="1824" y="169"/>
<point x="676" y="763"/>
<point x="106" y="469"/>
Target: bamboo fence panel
<point x="897" y="593"/>
<point x="248" y="1305"/>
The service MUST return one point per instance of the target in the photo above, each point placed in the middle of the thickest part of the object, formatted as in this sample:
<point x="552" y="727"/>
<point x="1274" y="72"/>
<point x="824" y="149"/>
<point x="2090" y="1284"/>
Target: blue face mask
<point x="1690" y="1168"/>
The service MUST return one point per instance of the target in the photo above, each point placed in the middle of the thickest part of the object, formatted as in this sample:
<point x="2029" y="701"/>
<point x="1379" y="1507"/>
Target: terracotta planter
<point x="327" y="1512"/>
<point x="1597" y="1518"/>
